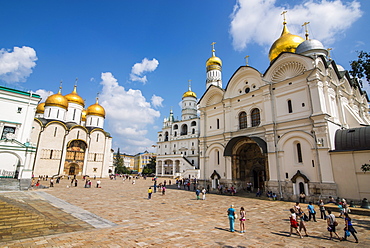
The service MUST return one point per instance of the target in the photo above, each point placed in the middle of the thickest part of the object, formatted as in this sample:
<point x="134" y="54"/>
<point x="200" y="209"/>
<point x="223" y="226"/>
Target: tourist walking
<point x="349" y="228"/>
<point x="332" y="224"/>
<point x="294" y="223"/>
<point x="163" y="190"/>
<point x="98" y="184"/>
<point x="242" y="220"/>
<point x="231" y="215"/>
<point x="150" y="191"/>
<point x="322" y="209"/>
<point x="76" y="182"/>
<point x="51" y="182"/>
<point x="204" y="194"/>
<point x="302" y="225"/>
<point x="311" y="212"/>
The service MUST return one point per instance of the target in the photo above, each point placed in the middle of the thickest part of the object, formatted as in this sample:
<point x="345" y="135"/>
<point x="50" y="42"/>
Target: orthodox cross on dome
<point x="60" y="87"/>
<point x="76" y="81"/>
<point x="189" y="84"/>
<point x="97" y="98"/>
<point x="306" y="29"/>
<point x="213" y="48"/>
<point x="246" y="59"/>
<point x="329" y="49"/>
<point x="283" y="14"/>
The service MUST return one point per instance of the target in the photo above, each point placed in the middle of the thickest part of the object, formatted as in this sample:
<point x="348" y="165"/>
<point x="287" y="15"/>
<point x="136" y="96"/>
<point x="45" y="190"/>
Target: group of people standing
<point x="232" y="215"/>
<point x="298" y="218"/>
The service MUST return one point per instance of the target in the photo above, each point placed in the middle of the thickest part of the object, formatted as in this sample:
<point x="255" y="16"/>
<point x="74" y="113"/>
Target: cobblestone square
<point x="122" y="216"/>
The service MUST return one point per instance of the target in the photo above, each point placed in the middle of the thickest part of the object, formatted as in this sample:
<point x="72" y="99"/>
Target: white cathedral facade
<point x="301" y="126"/>
<point x="70" y="140"/>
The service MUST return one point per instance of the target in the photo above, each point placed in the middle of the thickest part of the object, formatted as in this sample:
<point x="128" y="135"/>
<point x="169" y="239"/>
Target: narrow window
<point x="290" y="109"/>
<point x="193" y="131"/>
<point x="218" y="157"/>
<point x="286" y="175"/>
<point x="19" y="110"/>
<point x="90" y="121"/>
<point x="192" y="161"/>
<point x="78" y="134"/>
<point x="256" y="119"/>
<point x="299" y="153"/>
<point x="51" y="154"/>
<point x="49" y="112"/>
<point x="218" y="123"/>
<point x="57" y="113"/>
<point x="97" y="137"/>
<point x="192" y="152"/>
<point x="94" y="156"/>
<point x="74" y="114"/>
<point x="55" y="132"/>
<point x="242" y="120"/>
<point x="97" y="122"/>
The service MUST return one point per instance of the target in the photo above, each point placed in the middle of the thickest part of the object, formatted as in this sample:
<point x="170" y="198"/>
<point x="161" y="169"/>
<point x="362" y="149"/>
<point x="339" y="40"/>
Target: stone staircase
<point x="9" y="184"/>
<point x="21" y="220"/>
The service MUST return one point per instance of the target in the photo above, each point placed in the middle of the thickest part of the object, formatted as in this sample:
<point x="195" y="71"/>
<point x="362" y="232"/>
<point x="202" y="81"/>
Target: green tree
<point x="118" y="164"/>
<point x="150" y="167"/>
<point x="361" y="67"/>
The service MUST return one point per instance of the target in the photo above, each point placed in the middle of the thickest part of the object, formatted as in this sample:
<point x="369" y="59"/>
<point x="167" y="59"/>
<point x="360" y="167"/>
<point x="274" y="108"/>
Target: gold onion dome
<point x="75" y="98"/>
<point x="40" y="108"/>
<point x="83" y="115"/>
<point x="57" y="100"/>
<point x="189" y="93"/>
<point x="286" y="43"/>
<point x="213" y="62"/>
<point x="96" y="109"/>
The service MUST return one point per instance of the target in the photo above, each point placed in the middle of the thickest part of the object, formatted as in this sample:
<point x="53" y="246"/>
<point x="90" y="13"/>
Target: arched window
<point x="193" y="123"/>
<point x="193" y="131"/>
<point x="184" y="129"/>
<point x="256" y="119"/>
<point x="290" y="109"/>
<point x="166" y="136"/>
<point x="242" y="120"/>
<point x="175" y="127"/>
<point x="299" y="153"/>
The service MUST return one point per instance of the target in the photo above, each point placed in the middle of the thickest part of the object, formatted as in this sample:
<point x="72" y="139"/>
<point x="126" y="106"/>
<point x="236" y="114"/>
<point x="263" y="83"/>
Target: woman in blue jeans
<point x="231" y="215"/>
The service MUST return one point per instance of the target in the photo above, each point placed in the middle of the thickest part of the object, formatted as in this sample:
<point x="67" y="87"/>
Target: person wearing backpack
<point x="332" y="224"/>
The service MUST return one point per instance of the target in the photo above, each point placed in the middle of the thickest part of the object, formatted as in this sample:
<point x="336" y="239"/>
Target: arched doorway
<point x="249" y="161"/>
<point x="73" y="169"/>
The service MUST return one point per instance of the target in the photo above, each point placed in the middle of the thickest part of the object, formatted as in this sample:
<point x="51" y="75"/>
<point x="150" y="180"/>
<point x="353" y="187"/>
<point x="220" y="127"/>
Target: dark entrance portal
<point x="249" y="165"/>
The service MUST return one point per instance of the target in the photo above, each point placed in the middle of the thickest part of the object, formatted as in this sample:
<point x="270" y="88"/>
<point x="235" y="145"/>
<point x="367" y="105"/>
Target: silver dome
<point x="308" y="47"/>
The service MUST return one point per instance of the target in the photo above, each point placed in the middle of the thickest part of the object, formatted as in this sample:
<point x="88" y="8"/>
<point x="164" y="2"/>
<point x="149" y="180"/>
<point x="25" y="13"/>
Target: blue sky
<point x="139" y="55"/>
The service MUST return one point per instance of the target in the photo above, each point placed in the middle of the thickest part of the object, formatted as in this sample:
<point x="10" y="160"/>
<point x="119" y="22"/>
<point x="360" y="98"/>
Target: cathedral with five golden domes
<point x="70" y="139"/>
<point x="302" y="126"/>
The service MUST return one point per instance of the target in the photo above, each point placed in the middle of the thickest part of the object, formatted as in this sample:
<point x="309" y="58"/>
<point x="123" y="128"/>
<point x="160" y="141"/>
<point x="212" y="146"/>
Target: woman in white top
<point x="242" y="220"/>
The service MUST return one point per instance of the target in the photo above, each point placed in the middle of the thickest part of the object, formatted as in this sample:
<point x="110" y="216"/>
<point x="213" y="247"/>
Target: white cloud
<point x="16" y="65"/>
<point x="44" y="94"/>
<point x="139" y="69"/>
<point x="254" y="21"/>
<point x="129" y="114"/>
<point x="157" y="101"/>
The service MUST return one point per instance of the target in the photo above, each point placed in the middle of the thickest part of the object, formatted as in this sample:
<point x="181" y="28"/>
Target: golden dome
<point x="57" y="100"/>
<point x="40" y="108"/>
<point x="83" y="115"/>
<point x="189" y="93"/>
<point x="213" y="62"/>
<point x="75" y="98"/>
<point x="96" y="109"/>
<point x="286" y="43"/>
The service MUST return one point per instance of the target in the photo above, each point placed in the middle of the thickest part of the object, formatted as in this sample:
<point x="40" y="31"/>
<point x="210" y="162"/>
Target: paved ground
<point x="123" y="217"/>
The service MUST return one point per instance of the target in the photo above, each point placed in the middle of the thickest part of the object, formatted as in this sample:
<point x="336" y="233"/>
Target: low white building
<point x="17" y="110"/>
